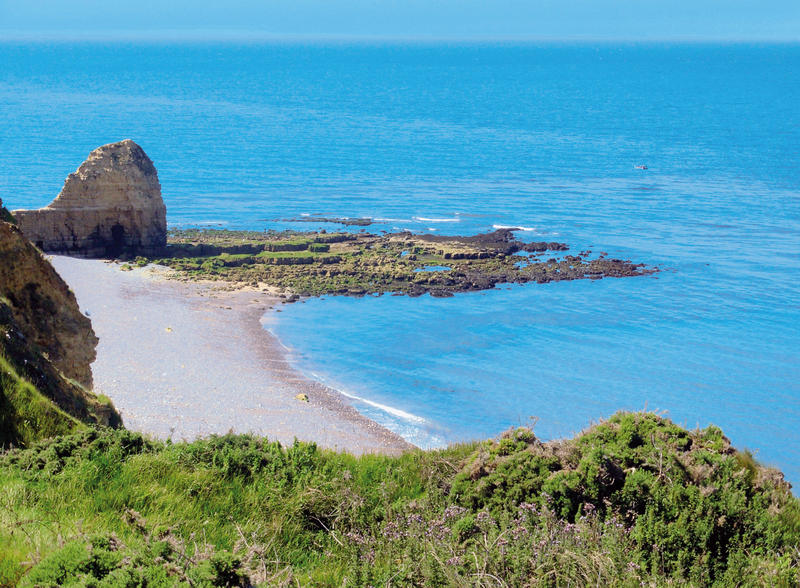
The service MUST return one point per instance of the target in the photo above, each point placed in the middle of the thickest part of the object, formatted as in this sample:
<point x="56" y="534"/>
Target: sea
<point x="459" y="138"/>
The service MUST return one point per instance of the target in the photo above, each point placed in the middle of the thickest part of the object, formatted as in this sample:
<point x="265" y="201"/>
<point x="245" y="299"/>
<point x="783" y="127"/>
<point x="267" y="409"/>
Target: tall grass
<point x="25" y="414"/>
<point x="633" y="501"/>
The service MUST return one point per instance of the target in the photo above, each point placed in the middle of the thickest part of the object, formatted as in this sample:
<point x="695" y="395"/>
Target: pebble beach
<point x="183" y="360"/>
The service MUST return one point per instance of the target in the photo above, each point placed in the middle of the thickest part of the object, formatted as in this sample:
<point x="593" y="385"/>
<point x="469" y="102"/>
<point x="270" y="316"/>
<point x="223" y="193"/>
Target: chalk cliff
<point x="110" y="206"/>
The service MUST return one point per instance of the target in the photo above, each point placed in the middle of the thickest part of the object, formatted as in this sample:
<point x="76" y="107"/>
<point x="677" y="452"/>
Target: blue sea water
<point x="459" y="138"/>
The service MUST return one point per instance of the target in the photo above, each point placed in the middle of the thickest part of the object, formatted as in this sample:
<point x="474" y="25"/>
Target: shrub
<point x="631" y="501"/>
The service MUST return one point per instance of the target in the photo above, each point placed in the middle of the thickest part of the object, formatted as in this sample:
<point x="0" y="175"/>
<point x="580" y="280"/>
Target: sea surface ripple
<point x="458" y="138"/>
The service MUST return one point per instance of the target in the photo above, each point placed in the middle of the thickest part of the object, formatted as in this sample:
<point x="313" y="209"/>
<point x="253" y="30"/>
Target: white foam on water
<point x="396" y="412"/>
<point x="514" y="227"/>
<point x="436" y="220"/>
<point x="271" y="332"/>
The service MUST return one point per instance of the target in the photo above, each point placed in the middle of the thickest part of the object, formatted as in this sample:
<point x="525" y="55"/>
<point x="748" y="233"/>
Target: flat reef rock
<point x="110" y="206"/>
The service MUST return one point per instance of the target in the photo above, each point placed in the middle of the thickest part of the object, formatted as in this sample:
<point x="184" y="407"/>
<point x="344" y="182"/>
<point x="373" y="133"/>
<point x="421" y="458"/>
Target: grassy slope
<point x="633" y="500"/>
<point x="25" y="414"/>
<point x="36" y="400"/>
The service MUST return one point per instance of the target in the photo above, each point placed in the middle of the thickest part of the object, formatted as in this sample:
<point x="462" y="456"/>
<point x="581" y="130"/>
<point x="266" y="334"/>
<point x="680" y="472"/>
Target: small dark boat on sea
<point x="640" y="166"/>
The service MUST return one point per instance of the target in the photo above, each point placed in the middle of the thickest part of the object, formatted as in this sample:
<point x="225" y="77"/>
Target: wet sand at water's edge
<point x="183" y="360"/>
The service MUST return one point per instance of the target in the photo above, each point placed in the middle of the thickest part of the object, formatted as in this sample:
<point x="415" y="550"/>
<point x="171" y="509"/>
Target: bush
<point x="634" y="500"/>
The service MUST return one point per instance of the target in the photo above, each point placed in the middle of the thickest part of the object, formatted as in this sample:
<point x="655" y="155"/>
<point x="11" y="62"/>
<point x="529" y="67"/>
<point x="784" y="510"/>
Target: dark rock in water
<point x="346" y="221"/>
<point x="109" y="207"/>
<point x="557" y="246"/>
<point x="499" y="241"/>
<point x="539" y="246"/>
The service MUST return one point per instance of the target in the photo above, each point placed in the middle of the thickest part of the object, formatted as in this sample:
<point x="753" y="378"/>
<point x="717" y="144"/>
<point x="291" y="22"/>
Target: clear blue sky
<point x="549" y="19"/>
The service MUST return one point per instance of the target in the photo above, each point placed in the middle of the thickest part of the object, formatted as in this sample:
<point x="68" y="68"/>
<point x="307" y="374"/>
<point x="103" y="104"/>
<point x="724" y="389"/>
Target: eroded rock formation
<point x="110" y="206"/>
<point x="43" y="334"/>
<point x="44" y="308"/>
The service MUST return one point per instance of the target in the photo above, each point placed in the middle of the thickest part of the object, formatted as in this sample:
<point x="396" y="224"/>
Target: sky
<point x="764" y="20"/>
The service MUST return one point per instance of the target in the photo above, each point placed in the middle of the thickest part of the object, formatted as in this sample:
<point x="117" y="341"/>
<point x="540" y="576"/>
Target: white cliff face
<point x="111" y="205"/>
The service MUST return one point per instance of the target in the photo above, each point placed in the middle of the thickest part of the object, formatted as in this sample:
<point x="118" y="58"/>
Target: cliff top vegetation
<point x="632" y="501"/>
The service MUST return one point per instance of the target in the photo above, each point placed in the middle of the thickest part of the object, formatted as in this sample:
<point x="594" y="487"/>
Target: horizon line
<point x="236" y="35"/>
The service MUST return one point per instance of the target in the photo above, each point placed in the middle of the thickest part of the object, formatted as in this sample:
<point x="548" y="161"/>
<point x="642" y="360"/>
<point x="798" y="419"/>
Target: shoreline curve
<point x="187" y="360"/>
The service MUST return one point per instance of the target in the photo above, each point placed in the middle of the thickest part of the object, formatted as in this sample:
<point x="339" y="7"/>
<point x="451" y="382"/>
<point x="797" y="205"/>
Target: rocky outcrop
<point x="5" y="215"/>
<point x="44" y="308"/>
<point x="44" y="337"/>
<point x="110" y="206"/>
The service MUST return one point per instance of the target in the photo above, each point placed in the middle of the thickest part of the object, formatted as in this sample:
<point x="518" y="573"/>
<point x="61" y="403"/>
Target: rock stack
<point x="111" y="206"/>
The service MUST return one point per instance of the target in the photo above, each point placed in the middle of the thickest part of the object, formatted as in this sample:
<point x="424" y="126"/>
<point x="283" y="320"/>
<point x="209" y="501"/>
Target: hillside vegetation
<point x="36" y="400"/>
<point x="633" y="501"/>
<point x="46" y="347"/>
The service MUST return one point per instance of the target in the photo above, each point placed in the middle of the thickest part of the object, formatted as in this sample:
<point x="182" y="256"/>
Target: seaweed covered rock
<point x="110" y="206"/>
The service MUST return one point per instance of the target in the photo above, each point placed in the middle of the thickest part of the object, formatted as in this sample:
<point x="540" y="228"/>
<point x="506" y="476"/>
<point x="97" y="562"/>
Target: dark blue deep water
<point x="462" y="138"/>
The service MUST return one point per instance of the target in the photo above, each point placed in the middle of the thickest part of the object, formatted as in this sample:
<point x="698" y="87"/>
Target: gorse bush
<point x="635" y="500"/>
<point x="688" y="499"/>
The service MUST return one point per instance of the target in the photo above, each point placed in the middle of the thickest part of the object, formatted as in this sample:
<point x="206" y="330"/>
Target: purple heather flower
<point x="453" y="511"/>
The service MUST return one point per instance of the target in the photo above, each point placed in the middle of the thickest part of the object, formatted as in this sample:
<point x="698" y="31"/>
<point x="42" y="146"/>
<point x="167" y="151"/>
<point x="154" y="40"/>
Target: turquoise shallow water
<point x="463" y="138"/>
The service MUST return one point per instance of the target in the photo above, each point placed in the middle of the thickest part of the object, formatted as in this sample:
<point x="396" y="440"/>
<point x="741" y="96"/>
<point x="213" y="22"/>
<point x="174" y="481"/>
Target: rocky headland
<point x="110" y="206"/>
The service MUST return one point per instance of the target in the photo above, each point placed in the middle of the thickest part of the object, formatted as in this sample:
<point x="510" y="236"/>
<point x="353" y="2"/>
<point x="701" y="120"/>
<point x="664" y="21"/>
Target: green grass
<point x="25" y="414"/>
<point x="633" y="501"/>
<point x="288" y="245"/>
<point x="285" y="254"/>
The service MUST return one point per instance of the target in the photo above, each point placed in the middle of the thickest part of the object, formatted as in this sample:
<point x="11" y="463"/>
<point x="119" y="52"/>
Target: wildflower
<point x="392" y="531"/>
<point x="437" y="530"/>
<point x="453" y="511"/>
<point x="571" y="528"/>
<point x="528" y="507"/>
<point x="454" y="561"/>
<point x="356" y="538"/>
<point x="368" y="556"/>
<point x="519" y="529"/>
<point x="484" y="517"/>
